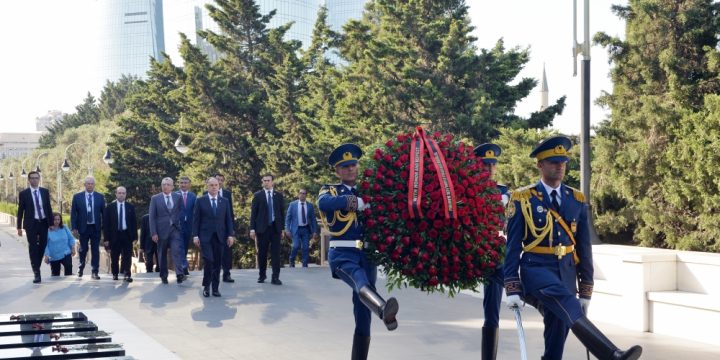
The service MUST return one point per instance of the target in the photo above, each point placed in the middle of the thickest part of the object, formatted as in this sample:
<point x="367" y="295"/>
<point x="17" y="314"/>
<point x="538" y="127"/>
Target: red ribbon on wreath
<point x="417" y="151"/>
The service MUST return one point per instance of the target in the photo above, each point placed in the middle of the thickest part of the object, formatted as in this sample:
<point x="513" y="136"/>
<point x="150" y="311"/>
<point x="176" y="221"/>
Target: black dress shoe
<point x="216" y="293"/>
<point x="206" y="292"/>
<point x="180" y="278"/>
<point x="276" y="282"/>
<point x="128" y="279"/>
<point x="228" y="279"/>
<point x="186" y="272"/>
<point x="36" y="280"/>
<point x="261" y="279"/>
<point x="164" y="280"/>
<point x="95" y="276"/>
<point x="115" y="277"/>
<point x="80" y="270"/>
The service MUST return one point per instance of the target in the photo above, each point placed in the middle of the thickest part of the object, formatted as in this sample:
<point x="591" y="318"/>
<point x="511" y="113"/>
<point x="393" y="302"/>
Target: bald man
<point x="86" y="215"/>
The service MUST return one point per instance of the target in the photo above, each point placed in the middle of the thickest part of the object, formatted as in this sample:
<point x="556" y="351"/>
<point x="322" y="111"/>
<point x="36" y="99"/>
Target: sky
<point x="50" y="53"/>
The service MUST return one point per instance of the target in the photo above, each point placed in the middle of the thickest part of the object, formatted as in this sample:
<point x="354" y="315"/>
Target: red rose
<point x="381" y="248"/>
<point x="433" y="234"/>
<point x="364" y="185"/>
<point x="414" y="252"/>
<point x="368" y="172"/>
<point x="389" y="143"/>
<point x="370" y="223"/>
<point x="389" y="240"/>
<point x="433" y="281"/>
<point x="432" y="271"/>
<point x="422" y="226"/>
<point x="376" y="187"/>
<point x="388" y="183"/>
<point x="387" y="158"/>
<point x="393" y="216"/>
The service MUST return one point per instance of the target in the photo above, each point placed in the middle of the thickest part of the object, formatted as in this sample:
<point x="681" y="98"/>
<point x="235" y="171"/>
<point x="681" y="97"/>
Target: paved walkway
<point x="309" y="317"/>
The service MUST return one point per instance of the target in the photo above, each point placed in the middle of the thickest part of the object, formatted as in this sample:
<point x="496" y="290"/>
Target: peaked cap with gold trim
<point x="488" y="152"/>
<point x="344" y="155"/>
<point x="554" y="149"/>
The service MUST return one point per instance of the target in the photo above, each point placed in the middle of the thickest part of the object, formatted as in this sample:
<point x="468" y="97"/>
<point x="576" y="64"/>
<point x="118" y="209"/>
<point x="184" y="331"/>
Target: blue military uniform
<point x="338" y="204"/>
<point x="549" y="258"/>
<point x="492" y="291"/>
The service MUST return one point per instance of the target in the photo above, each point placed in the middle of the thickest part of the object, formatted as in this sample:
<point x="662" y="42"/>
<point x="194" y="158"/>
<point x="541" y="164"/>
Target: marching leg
<point x="599" y="345"/>
<point x="385" y="310"/>
<point x="489" y="343"/>
<point x="360" y="347"/>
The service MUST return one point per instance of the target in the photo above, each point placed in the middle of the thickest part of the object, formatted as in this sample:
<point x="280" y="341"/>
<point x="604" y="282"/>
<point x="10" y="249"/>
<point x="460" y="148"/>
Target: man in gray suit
<point x="165" y="215"/>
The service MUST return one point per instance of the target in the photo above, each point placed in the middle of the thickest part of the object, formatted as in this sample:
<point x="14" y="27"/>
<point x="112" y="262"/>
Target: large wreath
<point x="435" y="216"/>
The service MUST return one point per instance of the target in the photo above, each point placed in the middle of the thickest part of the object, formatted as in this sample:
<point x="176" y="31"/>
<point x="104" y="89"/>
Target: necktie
<point x="270" y="207"/>
<point x="38" y="208"/>
<point x="302" y="212"/>
<point x="167" y="202"/>
<point x="555" y="204"/>
<point x="185" y="199"/>
<point x="121" y="223"/>
<point x="90" y="218"/>
<point x="214" y="206"/>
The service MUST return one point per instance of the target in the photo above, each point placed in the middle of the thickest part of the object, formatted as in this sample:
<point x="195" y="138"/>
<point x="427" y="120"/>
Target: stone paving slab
<point x="308" y="317"/>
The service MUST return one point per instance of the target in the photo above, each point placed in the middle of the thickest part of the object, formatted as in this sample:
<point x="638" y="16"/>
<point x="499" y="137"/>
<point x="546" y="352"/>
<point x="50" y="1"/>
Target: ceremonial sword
<point x="521" y="332"/>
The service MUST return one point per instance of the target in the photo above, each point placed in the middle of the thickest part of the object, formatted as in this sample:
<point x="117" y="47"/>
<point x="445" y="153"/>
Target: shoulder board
<point x="331" y="188"/>
<point x="523" y="193"/>
<point x="579" y="196"/>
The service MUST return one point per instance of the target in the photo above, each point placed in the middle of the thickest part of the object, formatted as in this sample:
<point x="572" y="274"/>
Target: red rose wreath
<point x="435" y="215"/>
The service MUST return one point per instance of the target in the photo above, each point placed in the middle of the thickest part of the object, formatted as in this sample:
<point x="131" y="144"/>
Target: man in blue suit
<point x="492" y="291"/>
<point x="212" y="230"/>
<point x="339" y="206"/>
<point x="549" y="256"/>
<point x="300" y="225"/>
<point x="186" y="219"/>
<point x="86" y="216"/>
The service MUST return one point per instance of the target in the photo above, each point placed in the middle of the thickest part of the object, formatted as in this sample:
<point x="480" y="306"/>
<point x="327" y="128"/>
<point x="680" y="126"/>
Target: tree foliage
<point x="662" y="73"/>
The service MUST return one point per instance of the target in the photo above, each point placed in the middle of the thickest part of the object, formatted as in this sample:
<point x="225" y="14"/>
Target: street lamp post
<point x="2" y="178"/>
<point x="179" y="145"/>
<point x="37" y="166"/>
<point x="11" y="177"/>
<point x="65" y="167"/>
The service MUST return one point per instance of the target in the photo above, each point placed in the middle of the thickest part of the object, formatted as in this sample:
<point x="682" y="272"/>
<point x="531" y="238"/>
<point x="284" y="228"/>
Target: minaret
<point x="544" y="91"/>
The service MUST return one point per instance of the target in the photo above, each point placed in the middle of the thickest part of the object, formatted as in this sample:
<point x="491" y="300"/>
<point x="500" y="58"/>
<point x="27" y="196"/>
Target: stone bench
<point x="661" y="291"/>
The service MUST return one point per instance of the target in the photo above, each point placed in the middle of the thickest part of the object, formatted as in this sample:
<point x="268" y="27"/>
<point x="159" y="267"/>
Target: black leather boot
<point x="599" y="345"/>
<point x="360" y="347"/>
<point x="489" y="343"/>
<point x="384" y="310"/>
<point x="36" y="280"/>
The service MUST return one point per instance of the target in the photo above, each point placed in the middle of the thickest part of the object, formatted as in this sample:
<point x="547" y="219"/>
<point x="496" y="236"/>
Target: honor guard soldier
<point x="339" y="206"/>
<point x="492" y="291"/>
<point x="549" y="256"/>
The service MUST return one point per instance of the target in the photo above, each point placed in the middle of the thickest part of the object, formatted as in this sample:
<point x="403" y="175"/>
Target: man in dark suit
<point x="120" y="232"/>
<point x="227" y="255"/>
<point x="267" y="214"/>
<point x="35" y="216"/>
<point x="300" y="225"/>
<point x="186" y="219"/>
<point x="165" y="212"/>
<point x="148" y="246"/>
<point x="86" y="220"/>
<point x="212" y="230"/>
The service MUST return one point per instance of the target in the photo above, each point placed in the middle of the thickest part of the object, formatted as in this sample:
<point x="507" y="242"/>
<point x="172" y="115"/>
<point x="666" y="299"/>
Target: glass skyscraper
<point x="131" y="33"/>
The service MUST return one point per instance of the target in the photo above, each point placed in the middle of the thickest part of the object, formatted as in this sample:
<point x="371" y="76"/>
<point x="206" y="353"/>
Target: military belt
<point x="559" y="251"/>
<point x="358" y="244"/>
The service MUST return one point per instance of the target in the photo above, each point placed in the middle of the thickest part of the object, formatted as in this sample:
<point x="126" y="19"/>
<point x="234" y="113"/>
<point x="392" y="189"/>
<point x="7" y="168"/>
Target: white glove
<point x="584" y="305"/>
<point x="514" y="300"/>
<point x="362" y="205"/>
